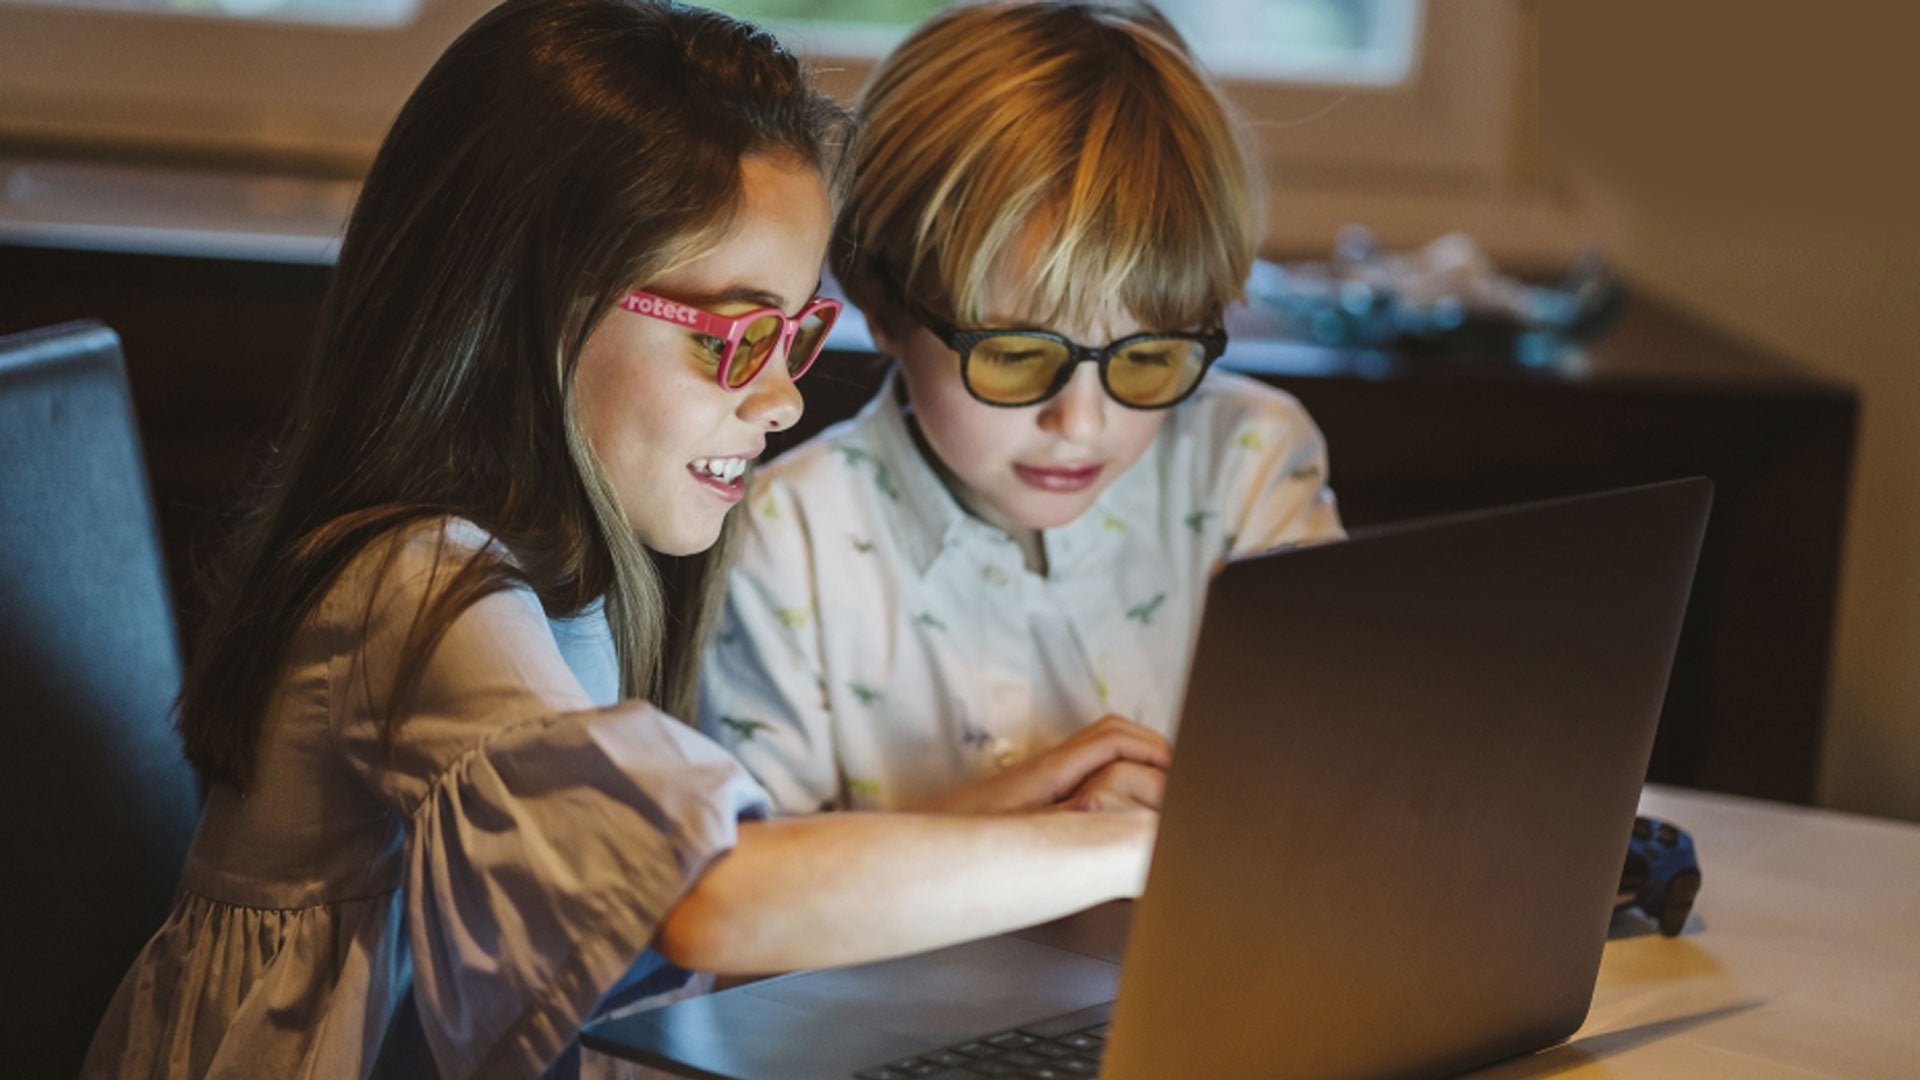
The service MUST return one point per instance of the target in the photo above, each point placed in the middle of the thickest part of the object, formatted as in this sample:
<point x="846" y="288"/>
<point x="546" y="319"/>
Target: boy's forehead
<point x="1008" y="304"/>
<point x="1011" y="298"/>
<point x="1012" y="270"/>
<point x="1071" y="278"/>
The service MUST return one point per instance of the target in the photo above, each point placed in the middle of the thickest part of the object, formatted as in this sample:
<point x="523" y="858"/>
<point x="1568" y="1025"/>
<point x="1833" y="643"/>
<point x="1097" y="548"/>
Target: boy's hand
<point x="1123" y="785"/>
<point x="1083" y="768"/>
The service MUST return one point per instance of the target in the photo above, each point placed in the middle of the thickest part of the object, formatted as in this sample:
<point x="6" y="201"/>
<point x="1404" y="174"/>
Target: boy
<point x="980" y="592"/>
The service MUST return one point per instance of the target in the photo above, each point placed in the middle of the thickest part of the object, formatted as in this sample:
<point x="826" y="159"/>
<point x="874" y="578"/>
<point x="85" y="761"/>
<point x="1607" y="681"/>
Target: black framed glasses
<point x="1018" y="367"/>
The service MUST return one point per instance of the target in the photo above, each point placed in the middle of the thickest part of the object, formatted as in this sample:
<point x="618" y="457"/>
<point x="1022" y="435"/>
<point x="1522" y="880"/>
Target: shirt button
<point x="1002" y="752"/>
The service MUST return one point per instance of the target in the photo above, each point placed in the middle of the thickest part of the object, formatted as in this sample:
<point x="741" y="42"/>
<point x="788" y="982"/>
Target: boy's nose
<point x="1078" y="412"/>
<point x="771" y="401"/>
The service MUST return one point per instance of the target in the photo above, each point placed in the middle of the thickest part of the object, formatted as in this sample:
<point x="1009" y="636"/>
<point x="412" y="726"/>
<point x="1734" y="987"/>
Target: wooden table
<point x="1802" y="958"/>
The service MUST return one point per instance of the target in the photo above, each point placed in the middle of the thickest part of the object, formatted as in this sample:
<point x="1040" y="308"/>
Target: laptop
<point x="1407" y="769"/>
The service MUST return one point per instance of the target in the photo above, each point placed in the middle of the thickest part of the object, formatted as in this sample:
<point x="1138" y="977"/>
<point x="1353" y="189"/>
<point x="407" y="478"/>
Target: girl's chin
<point x="681" y="541"/>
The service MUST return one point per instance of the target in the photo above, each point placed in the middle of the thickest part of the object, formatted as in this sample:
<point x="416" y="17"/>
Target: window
<point x="325" y="12"/>
<point x="1350" y="102"/>
<point x="305" y="83"/>
<point x="1367" y="42"/>
<point x="1340" y="95"/>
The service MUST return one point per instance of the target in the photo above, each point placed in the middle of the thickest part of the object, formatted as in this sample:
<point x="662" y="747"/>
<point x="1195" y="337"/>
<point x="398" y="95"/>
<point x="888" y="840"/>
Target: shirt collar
<point x="925" y="514"/>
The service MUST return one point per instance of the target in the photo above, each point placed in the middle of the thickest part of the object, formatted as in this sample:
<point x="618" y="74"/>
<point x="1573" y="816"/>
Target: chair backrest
<point x="97" y="804"/>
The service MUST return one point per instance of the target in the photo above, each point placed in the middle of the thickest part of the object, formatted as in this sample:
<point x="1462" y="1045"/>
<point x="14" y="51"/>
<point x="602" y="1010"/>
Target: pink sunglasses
<point x="762" y="330"/>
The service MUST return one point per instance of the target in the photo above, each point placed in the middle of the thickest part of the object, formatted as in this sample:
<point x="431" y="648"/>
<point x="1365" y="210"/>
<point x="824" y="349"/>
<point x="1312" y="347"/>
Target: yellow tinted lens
<point x="1014" y="369"/>
<point x="756" y="345"/>
<point x="807" y="340"/>
<point x="1155" y="371"/>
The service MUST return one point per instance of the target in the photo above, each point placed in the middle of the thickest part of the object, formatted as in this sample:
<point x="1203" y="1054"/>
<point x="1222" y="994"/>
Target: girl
<point x="935" y="598"/>
<point x="442" y="825"/>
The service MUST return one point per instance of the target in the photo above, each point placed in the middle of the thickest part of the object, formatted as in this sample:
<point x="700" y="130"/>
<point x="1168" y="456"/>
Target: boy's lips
<point x="1058" y="478"/>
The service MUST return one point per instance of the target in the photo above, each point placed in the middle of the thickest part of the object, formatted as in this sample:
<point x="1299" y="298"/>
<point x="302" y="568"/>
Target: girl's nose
<point x="771" y="400"/>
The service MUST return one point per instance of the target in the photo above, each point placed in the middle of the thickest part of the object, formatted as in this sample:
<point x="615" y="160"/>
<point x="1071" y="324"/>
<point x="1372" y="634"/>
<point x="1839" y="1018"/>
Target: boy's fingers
<point x="1126" y="739"/>
<point x="1122" y="785"/>
<point x="1074" y="762"/>
<point x="1147" y="786"/>
<point x="1056" y="773"/>
<point x="1116" y="722"/>
<point x="1142" y="784"/>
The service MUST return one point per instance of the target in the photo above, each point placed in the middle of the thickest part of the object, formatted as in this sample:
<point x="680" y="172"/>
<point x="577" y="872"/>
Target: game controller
<point x="1661" y="877"/>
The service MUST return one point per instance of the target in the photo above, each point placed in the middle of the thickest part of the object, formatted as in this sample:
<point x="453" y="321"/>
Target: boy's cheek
<point x="950" y="418"/>
<point x="972" y="439"/>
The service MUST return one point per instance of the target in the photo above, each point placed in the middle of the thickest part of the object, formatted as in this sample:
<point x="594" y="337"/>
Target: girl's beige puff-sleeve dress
<point x="456" y="903"/>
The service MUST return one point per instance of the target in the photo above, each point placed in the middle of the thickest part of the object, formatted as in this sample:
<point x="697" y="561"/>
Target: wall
<point x="1747" y="161"/>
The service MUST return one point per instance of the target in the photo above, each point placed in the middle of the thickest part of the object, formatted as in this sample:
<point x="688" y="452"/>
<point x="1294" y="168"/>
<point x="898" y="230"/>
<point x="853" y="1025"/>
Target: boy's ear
<point x="883" y="325"/>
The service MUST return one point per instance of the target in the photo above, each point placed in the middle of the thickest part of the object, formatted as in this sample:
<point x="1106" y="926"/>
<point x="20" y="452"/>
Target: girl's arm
<point x="848" y="888"/>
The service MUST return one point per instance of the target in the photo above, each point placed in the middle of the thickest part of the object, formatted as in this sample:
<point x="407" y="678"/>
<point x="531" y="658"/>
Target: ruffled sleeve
<point x="545" y="839"/>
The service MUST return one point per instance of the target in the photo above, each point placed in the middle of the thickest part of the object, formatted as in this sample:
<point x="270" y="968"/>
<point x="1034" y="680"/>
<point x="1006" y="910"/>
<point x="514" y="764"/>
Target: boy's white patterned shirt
<point x="880" y="645"/>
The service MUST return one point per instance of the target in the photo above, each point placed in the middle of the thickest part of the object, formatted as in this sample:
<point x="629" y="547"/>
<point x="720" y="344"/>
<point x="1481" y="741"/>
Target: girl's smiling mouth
<point x="721" y="475"/>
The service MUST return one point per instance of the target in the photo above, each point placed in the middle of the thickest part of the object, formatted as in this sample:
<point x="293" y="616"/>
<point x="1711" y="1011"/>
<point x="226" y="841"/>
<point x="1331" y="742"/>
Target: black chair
<point x="98" y="804"/>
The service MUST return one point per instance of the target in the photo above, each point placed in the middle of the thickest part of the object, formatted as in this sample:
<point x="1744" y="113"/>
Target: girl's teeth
<point x="725" y="469"/>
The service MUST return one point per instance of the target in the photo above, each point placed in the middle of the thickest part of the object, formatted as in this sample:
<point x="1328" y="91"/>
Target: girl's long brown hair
<point x="558" y="153"/>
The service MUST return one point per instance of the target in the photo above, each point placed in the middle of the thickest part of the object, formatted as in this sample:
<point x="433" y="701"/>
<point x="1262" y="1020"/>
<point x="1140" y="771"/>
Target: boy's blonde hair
<point x="1080" y="134"/>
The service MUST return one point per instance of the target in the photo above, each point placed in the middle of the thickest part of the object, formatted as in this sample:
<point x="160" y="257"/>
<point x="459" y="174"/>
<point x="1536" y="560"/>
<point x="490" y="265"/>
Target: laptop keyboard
<point x="1065" y="1046"/>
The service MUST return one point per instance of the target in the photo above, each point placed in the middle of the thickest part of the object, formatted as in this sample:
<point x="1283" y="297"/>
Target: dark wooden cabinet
<point x="212" y="347"/>
<point x="1658" y="397"/>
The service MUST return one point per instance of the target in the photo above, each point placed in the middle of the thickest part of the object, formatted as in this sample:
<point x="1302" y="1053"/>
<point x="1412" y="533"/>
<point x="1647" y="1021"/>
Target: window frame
<point x="1448" y="128"/>
<point x="287" y="100"/>
<point x="191" y="87"/>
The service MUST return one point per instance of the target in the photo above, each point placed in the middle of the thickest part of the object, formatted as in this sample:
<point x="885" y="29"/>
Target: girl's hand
<point x="1079" y="765"/>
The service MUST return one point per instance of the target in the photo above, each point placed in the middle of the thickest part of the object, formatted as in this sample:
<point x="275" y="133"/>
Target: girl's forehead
<point x="770" y="250"/>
